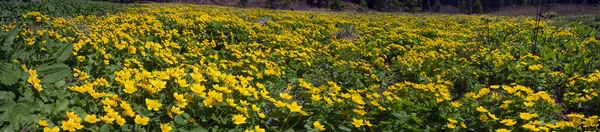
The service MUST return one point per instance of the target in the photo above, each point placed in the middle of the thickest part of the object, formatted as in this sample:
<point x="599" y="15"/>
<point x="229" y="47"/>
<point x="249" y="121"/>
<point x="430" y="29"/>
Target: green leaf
<point x="198" y="129"/>
<point x="7" y="95"/>
<point x="60" y="105"/>
<point x="180" y="120"/>
<point x="30" y="103"/>
<point x="51" y="69"/>
<point x="64" y="53"/>
<point x="104" y="128"/>
<point x="6" y="105"/>
<point x="9" y="40"/>
<point x="414" y="117"/>
<point x="10" y="73"/>
<point x="126" y="127"/>
<point x="55" y="73"/>
<point x="344" y="128"/>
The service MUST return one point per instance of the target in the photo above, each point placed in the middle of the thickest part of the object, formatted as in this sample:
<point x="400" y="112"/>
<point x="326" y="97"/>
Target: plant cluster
<point x="177" y="67"/>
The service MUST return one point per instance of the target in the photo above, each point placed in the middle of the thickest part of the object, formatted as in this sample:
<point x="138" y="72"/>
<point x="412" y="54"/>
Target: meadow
<point x="183" y="67"/>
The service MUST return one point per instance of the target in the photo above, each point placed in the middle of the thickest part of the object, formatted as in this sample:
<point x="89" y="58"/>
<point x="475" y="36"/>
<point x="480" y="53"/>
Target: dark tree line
<point x="465" y="6"/>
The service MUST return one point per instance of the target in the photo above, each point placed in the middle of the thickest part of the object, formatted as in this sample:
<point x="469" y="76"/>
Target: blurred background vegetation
<point x="12" y="9"/>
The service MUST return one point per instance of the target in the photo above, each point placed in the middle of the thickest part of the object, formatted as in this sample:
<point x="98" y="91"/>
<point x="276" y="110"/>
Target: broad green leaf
<point x="61" y="71"/>
<point x="64" y="53"/>
<point x="414" y="117"/>
<point x="6" y="105"/>
<point x="344" y="128"/>
<point x="104" y="128"/>
<point x="30" y="103"/>
<point x="60" y="105"/>
<point x="198" y="129"/>
<point x="10" y="38"/>
<point x="7" y="95"/>
<point x="52" y="69"/>
<point x="10" y="73"/>
<point x="180" y="120"/>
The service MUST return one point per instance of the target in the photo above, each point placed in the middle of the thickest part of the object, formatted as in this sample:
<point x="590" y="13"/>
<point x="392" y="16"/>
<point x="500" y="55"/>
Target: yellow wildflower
<point x="71" y="125"/>
<point x="48" y="129"/>
<point x="481" y="109"/>
<point x="43" y="123"/>
<point x="91" y="118"/>
<point x="142" y="121"/>
<point x="165" y="127"/>
<point x="357" y="122"/>
<point x="502" y="130"/>
<point x="239" y="119"/>
<point x="318" y="126"/>
<point x="285" y="96"/>
<point x="294" y="107"/>
<point x="153" y="104"/>
<point x="456" y="104"/>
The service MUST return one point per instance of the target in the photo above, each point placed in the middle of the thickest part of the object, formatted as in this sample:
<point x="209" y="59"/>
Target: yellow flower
<point x="73" y="116"/>
<point x="456" y="104"/>
<point x="261" y="115"/>
<point x="492" y="116"/>
<point x="43" y="123"/>
<point x="181" y="101"/>
<point x="452" y="120"/>
<point x="530" y="127"/>
<point x="450" y="125"/>
<point x="357" y="122"/>
<point x="129" y="86"/>
<point x="508" y="122"/>
<point x="182" y="83"/>
<point x="463" y="125"/>
<point x="255" y="108"/>
<point x="528" y="104"/>
<point x="176" y="110"/>
<point x="294" y="107"/>
<point x="48" y="129"/>
<point x="165" y="127"/>
<point x="483" y="118"/>
<point x="481" y="109"/>
<point x="231" y="102"/>
<point x="91" y="118"/>
<point x="71" y="125"/>
<point x="199" y="90"/>
<point x="368" y="123"/>
<point x="153" y="104"/>
<point x="107" y="119"/>
<point x="285" y="96"/>
<point x="258" y="129"/>
<point x="280" y="104"/>
<point x="502" y="130"/>
<point x="535" y="67"/>
<point x="495" y="86"/>
<point x="120" y="120"/>
<point x="239" y="119"/>
<point x="527" y="116"/>
<point x="315" y="97"/>
<point x="318" y="125"/>
<point x="33" y="80"/>
<point x="142" y="121"/>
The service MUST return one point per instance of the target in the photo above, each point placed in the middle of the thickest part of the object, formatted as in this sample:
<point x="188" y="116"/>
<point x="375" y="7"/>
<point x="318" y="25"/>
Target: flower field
<point x="178" y="67"/>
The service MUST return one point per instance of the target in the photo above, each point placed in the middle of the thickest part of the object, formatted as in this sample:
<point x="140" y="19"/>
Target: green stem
<point x="295" y="123"/>
<point x="285" y="121"/>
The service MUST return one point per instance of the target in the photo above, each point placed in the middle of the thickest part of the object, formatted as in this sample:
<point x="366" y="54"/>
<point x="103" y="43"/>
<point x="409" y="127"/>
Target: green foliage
<point x="12" y="11"/>
<point x="336" y="5"/>
<point x="478" y="7"/>
<point x="22" y="105"/>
